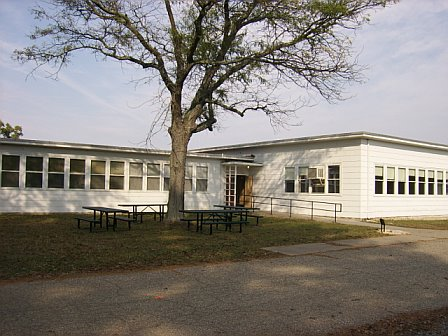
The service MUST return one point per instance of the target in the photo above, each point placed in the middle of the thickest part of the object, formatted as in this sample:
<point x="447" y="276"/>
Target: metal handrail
<point x="292" y="204"/>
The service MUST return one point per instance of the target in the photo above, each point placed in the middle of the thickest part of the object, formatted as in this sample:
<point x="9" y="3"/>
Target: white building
<point x="359" y="175"/>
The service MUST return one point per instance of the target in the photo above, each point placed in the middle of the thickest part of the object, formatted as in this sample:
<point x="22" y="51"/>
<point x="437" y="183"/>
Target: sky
<point x="405" y="94"/>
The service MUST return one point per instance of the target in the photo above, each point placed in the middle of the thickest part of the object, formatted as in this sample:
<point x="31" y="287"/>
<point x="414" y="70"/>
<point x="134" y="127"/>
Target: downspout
<point x="368" y="181"/>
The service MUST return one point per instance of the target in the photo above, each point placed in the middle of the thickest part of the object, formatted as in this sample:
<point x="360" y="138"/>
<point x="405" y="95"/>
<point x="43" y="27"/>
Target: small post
<point x="383" y="225"/>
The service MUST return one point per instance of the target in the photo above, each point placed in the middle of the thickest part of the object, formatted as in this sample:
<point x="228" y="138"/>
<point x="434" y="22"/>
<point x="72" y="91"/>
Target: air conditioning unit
<point x="316" y="173"/>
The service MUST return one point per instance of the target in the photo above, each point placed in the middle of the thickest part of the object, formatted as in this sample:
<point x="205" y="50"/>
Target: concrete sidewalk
<point x="314" y="289"/>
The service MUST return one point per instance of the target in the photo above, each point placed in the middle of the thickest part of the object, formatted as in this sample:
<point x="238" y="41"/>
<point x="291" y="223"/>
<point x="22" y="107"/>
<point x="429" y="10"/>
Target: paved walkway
<point x="314" y="289"/>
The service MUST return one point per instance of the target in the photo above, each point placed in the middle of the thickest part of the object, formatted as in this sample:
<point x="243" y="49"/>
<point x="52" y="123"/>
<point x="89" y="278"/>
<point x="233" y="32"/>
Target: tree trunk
<point x="180" y="137"/>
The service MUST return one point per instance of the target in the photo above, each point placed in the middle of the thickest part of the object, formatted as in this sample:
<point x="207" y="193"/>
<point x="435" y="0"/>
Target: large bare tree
<point x="211" y="56"/>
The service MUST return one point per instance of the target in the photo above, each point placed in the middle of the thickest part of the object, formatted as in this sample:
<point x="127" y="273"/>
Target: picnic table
<point x="99" y="212"/>
<point x="249" y="213"/>
<point x="157" y="210"/>
<point x="227" y="217"/>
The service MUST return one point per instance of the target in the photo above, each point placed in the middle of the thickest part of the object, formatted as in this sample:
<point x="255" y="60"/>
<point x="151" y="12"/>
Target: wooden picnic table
<point x="216" y="217"/>
<point x="158" y="209"/>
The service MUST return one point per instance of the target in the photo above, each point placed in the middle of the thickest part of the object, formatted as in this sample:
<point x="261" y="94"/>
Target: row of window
<point x="68" y="173"/>
<point x="312" y="179"/>
<point x="410" y="181"/>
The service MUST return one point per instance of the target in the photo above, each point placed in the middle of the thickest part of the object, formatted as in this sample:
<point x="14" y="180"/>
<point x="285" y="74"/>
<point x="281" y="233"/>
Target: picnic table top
<point x="103" y="209"/>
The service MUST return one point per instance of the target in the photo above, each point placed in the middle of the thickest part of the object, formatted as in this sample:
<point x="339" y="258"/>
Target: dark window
<point x="439" y="183"/>
<point x="379" y="179"/>
<point x="390" y="180"/>
<point x="401" y="181"/>
<point x="34" y="168"/>
<point x="333" y="180"/>
<point x="135" y="176"/>
<point x="153" y="174"/>
<point x="56" y="172"/>
<point x="201" y="178"/>
<point x="77" y="174"/>
<point x="116" y="180"/>
<point x="290" y="173"/>
<point x="98" y="175"/>
<point x="412" y="181"/>
<point x="10" y="171"/>
<point x="431" y="182"/>
<point x="304" y="182"/>
<point x="421" y="182"/>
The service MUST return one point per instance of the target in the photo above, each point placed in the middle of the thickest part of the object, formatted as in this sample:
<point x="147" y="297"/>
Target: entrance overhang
<point x="242" y="163"/>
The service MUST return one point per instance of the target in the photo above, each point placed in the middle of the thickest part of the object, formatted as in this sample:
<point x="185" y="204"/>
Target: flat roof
<point x="106" y="148"/>
<point x="328" y="137"/>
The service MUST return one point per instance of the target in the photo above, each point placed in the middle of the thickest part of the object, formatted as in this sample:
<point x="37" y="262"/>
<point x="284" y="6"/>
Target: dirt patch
<point x="419" y="323"/>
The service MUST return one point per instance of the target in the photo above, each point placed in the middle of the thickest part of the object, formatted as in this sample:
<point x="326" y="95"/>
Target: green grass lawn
<point x="36" y="246"/>
<point x="431" y="224"/>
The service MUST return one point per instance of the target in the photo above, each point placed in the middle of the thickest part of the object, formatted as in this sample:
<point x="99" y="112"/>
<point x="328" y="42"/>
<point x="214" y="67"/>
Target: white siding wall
<point x="44" y="200"/>
<point x="400" y="156"/>
<point x="357" y="159"/>
<point x="269" y="179"/>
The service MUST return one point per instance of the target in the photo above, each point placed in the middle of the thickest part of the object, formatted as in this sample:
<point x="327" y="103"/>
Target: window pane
<point x="202" y="172"/>
<point x="402" y="174"/>
<point x="116" y="182"/>
<point x="97" y="182"/>
<point x="10" y="162"/>
<point x="333" y="186"/>
<point x="116" y="168"/>
<point x="135" y="183"/>
<point x="55" y="180"/>
<point x="153" y="183"/>
<point x="33" y="180"/>
<point x="77" y="181"/>
<point x="289" y="186"/>
<point x="201" y="185"/>
<point x="10" y="179"/>
<point x="77" y="166"/>
<point x="153" y="169"/>
<point x="34" y="163"/>
<point x="188" y="185"/>
<point x="98" y="167"/>
<point x="290" y="173"/>
<point x="56" y="165"/>
<point x="333" y="172"/>
<point x="135" y="169"/>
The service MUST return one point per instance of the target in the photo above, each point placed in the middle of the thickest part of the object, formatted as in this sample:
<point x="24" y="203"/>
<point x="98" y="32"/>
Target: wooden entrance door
<point x="244" y="186"/>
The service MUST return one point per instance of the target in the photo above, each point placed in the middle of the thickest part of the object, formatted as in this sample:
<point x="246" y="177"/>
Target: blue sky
<point x="406" y="93"/>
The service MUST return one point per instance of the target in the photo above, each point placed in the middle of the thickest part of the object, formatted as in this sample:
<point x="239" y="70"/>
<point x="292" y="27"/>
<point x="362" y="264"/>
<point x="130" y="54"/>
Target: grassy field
<point x="36" y="246"/>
